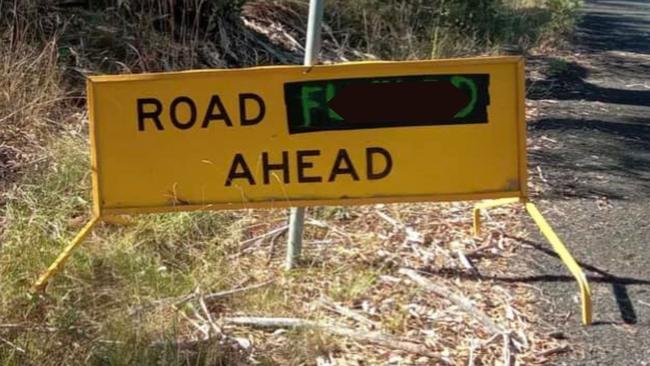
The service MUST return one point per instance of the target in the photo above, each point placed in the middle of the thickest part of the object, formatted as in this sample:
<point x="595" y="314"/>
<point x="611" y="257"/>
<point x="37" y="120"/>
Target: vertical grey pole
<point x="312" y="47"/>
<point x="294" y="243"/>
<point x="312" y="44"/>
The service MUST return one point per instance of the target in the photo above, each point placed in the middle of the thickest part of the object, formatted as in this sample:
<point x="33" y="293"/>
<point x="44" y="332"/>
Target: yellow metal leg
<point x="487" y="204"/>
<point x="476" y="227"/>
<point x="567" y="258"/>
<point x="58" y="263"/>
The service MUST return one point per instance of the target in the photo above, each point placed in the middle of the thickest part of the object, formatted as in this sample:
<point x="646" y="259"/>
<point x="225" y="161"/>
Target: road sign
<point x="302" y="135"/>
<point x="294" y="135"/>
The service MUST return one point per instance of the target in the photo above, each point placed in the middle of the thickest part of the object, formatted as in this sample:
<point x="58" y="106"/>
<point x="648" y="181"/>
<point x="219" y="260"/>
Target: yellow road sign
<point x="294" y="135"/>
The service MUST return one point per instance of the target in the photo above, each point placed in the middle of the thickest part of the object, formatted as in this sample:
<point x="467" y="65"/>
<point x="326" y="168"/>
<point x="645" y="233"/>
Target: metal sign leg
<point x="59" y="262"/>
<point x="559" y="247"/>
<point x="476" y="229"/>
<point x="567" y="259"/>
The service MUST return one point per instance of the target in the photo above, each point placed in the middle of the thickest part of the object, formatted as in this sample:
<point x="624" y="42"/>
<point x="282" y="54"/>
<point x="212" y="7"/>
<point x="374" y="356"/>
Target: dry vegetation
<point x="151" y="292"/>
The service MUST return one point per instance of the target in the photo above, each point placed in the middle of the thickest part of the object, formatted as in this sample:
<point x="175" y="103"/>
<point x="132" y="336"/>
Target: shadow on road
<point x="625" y="305"/>
<point x="567" y="81"/>
<point x="590" y="156"/>
<point x="615" y="29"/>
<point x="619" y="289"/>
<point x="610" y="43"/>
<point x="595" y="158"/>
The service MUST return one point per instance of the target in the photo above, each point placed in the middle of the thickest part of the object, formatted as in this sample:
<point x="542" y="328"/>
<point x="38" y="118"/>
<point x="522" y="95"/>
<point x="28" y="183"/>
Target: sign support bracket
<point x="559" y="247"/>
<point x="557" y="244"/>
<point x="60" y="261"/>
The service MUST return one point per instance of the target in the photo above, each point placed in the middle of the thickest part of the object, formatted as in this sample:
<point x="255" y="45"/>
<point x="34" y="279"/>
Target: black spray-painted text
<point x="183" y="113"/>
<point x="298" y="167"/>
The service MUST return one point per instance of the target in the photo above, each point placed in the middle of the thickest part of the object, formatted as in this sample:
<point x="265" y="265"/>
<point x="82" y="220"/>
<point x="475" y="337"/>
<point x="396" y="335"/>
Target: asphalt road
<point x="593" y="162"/>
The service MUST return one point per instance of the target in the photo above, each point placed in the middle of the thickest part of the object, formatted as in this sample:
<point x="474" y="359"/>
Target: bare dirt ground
<point x="590" y="164"/>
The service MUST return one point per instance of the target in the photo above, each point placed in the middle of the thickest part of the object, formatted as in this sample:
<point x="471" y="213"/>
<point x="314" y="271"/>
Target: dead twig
<point x="274" y="241"/>
<point x="461" y="302"/>
<point x="332" y="306"/>
<point x="178" y="301"/>
<point x="507" y="354"/>
<point x="216" y="295"/>
<point x="465" y="261"/>
<point x="195" y="324"/>
<point x="467" y="306"/>
<point x="208" y="316"/>
<point x="31" y="327"/>
<point x="541" y="176"/>
<point x="246" y="244"/>
<point x="390" y="220"/>
<point x="554" y="350"/>
<point x="380" y="339"/>
<point x="12" y="345"/>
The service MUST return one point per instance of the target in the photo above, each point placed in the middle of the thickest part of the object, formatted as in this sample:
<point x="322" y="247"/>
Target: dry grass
<point x="114" y="304"/>
<point x="397" y="30"/>
<point x="31" y="105"/>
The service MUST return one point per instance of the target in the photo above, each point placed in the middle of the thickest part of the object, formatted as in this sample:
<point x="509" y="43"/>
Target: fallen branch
<point x="32" y="327"/>
<point x="178" y="301"/>
<point x="245" y="245"/>
<point x="216" y="295"/>
<point x="13" y="345"/>
<point x="208" y="316"/>
<point x="467" y="306"/>
<point x="377" y="338"/>
<point x="461" y="302"/>
<point x="274" y="241"/>
<point x="465" y="261"/>
<point x="554" y="351"/>
<point x="331" y="305"/>
<point x="478" y="252"/>
<point x="390" y="220"/>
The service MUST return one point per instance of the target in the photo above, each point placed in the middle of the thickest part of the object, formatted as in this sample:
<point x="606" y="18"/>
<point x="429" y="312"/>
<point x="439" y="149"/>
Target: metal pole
<point x="312" y="44"/>
<point x="312" y="47"/>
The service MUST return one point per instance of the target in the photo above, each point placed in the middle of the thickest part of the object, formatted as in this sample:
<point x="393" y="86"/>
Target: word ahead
<point x="292" y="135"/>
<point x="304" y="161"/>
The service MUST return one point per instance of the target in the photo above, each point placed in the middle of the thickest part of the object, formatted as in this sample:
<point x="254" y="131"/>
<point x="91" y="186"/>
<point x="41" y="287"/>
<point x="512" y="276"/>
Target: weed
<point x="557" y="67"/>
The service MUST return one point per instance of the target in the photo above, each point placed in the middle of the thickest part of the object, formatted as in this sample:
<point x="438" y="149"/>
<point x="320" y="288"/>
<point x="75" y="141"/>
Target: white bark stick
<point x="380" y="339"/>
<point x="461" y="302"/>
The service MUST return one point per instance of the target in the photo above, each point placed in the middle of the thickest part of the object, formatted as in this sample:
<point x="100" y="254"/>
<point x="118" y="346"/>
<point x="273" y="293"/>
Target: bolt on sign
<point x="294" y="135"/>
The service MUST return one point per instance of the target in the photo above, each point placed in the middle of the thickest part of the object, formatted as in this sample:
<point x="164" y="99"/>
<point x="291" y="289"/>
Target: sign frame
<point x="521" y="191"/>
